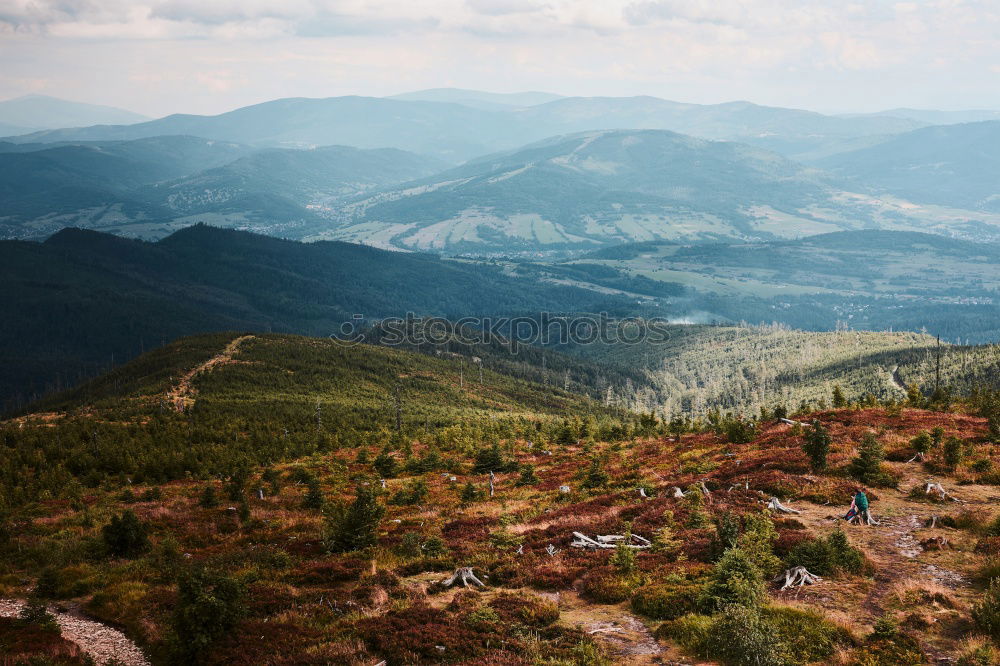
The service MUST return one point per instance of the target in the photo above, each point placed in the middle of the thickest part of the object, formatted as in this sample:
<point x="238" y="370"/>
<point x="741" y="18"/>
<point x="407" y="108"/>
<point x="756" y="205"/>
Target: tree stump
<point x="465" y="576"/>
<point x="797" y="577"/>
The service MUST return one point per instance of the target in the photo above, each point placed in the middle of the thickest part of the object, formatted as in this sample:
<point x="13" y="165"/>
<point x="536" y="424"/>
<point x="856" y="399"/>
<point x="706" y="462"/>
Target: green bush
<point x="125" y="535"/>
<point x="741" y="635"/>
<point x="605" y="586"/>
<point x="689" y="631"/>
<point x="355" y="526"/>
<point x="829" y="556"/>
<point x="667" y="601"/>
<point x="208" y="605"/>
<point x="735" y="580"/>
<point x="806" y="634"/>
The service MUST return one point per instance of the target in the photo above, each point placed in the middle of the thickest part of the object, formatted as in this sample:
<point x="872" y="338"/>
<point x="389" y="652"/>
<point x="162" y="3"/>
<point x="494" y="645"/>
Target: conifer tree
<point x="817" y="446"/>
<point x="355" y="526"/>
<point x="867" y="465"/>
<point x="385" y="464"/>
<point x="528" y="476"/>
<point x="596" y="476"/>
<point x="470" y="493"/>
<point x="314" y="494"/>
<point x="839" y="401"/>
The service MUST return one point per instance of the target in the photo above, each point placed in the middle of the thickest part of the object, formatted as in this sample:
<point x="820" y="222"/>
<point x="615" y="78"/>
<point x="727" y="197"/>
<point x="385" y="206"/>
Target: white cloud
<point x="210" y="55"/>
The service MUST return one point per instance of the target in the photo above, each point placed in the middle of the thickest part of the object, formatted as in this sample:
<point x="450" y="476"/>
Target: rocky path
<point x="103" y="643"/>
<point x="182" y="395"/>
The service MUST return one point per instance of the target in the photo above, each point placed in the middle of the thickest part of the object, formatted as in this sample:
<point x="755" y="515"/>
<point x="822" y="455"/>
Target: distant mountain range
<point x="478" y="98"/>
<point x="31" y="113"/>
<point x="948" y="165"/>
<point x="448" y="127"/>
<point x="599" y="188"/>
<point x="540" y="173"/>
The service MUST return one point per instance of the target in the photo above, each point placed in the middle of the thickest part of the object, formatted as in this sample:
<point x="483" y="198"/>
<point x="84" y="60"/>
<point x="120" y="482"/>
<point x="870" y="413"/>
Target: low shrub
<point x="606" y="586"/>
<point x="689" y="631"/>
<point x="829" y="556"/>
<point x="666" y="601"/>
<point x="742" y="635"/>
<point x="411" y="636"/>
<point x="527" y="610"/>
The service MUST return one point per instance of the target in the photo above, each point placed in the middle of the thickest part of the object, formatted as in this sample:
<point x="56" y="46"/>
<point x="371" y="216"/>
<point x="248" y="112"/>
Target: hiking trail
<point x="182" y="396"/>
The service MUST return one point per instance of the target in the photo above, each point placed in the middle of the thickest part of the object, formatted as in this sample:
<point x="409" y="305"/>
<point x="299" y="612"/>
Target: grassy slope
<point x="311" y="605"/>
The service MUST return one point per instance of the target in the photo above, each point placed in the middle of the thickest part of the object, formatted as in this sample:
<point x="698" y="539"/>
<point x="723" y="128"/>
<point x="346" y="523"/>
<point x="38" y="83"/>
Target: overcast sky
<point x="207" y="56"/>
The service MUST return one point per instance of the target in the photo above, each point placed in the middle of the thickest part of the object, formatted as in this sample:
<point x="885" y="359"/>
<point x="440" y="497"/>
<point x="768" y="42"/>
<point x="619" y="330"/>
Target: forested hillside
<point x="83" y="301"/>
<point x="206" y="405"/>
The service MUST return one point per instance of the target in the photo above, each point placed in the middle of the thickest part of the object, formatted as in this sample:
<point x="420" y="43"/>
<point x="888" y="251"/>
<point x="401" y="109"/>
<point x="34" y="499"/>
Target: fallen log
<point x="797" y="577"/>
<point x="776" y="505"/>
<point x="608" y="541"/>
<point x="465" y="576"/>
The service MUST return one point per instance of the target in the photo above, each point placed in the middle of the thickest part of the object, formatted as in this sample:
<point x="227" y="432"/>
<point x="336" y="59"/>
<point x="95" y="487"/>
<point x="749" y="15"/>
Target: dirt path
<point x="626" y="636"/>
<point x="100" y="641"/>
<point x="182" y="395"/>
<point x="894" y="546"/>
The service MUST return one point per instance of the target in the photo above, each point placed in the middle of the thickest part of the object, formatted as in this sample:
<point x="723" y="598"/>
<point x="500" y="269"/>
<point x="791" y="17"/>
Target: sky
<point x="208" y="56"/>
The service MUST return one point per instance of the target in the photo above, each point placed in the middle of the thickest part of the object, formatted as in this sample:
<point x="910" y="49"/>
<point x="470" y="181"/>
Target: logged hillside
<point x="83" y="300"/>
<point x="750" y="368"/>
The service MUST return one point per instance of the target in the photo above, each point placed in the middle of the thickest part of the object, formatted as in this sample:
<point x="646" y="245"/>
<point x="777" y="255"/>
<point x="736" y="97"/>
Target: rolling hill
<point x="597" y="188"/>
<point x="951" y="165"/>
<point x="148" y="187"/>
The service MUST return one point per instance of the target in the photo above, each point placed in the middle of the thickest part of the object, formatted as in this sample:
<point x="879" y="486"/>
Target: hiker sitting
<point x="859" y="509"/>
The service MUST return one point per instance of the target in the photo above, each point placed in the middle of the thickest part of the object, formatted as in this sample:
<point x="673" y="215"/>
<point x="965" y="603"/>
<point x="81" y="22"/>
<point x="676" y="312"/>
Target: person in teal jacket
<point x="859" y="508"/>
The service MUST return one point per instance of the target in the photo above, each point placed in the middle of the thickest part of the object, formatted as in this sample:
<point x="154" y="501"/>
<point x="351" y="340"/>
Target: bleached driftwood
<point x="776" y="505"/>
<point x="677" y="492"/>
<point x="551" y="550"/>
<point x="791" y="422"/>
<point x="797" y="577"/>
<point x="705" y="491"/>
<point x="608" y="541"/>
<point x="917" y="456"/>
<point x="642" y="492"/>
<point x="465" y="576"/>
